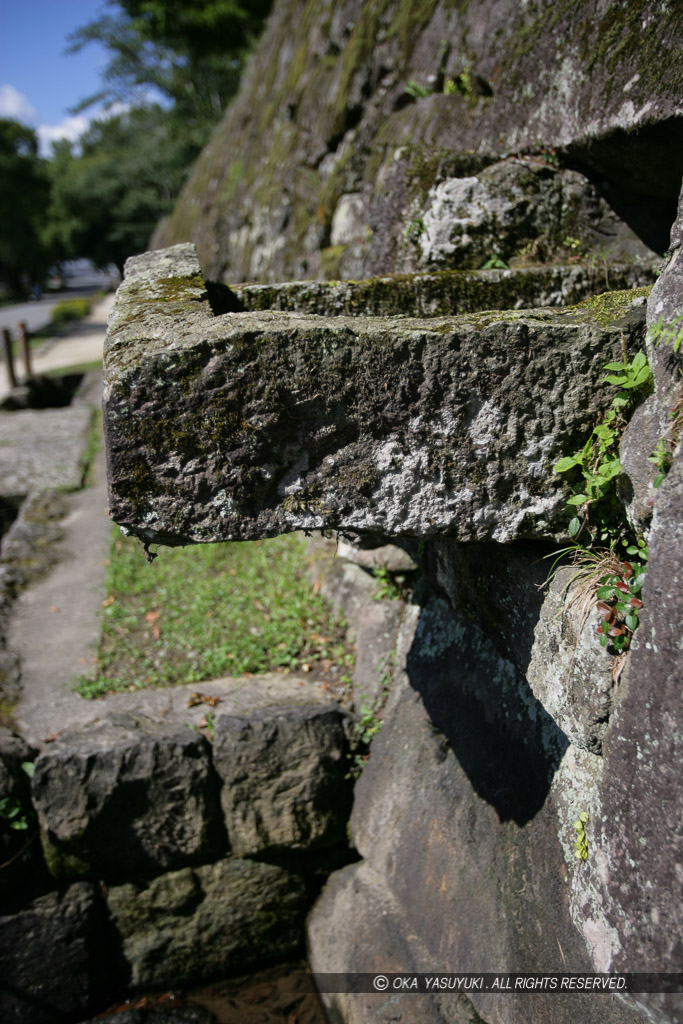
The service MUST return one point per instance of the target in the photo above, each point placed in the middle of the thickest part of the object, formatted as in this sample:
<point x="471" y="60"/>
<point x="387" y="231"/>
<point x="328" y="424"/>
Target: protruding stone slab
<point x="246" y="425"/>
<point x="126" y="796"/>
<point x="285" y="778"/>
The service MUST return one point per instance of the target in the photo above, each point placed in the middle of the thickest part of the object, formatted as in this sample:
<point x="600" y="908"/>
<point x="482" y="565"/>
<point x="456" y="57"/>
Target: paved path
<point x="82" y="344"/>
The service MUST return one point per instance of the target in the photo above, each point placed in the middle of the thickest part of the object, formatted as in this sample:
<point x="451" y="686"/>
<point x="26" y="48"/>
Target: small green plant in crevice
<point x="459" y="85"/>
<point x="667" y="334"/>
<point x="413" y="230"/>
<point x="619" y="603"/>
<point x="18" y="818"/>
<point x="416" y="90"/>
<point x="594" y="494"/>
<point x="494" y="262"/>
<point x="610" y="560"/>
<point x="550" y="157"/>
<point x="390" y="585"/>
<point x="663" y="454"/>
<point x="209" y="725"/>
<point x="662" y="457"/>
<point x="369" y="720"/>
<point x="581" y="842"/>
<point x="12" y="810"/>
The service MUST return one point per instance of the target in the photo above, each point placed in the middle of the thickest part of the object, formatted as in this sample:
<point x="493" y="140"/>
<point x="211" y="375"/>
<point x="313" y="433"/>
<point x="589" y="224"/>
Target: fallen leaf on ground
<point x="108" y="601"/>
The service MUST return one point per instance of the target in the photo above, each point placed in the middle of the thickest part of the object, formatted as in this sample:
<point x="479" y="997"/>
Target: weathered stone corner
<point x="250" y="424"/>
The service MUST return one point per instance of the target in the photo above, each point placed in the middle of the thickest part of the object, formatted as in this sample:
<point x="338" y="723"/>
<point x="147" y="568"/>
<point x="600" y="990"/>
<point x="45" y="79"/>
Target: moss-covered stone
<point x="444" y="293"/>
<point x="251" y="424"/>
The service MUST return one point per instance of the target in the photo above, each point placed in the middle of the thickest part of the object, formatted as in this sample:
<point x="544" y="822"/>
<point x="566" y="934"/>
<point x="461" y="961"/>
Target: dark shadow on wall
<point x="638" y="173"/>
<point x="505" y="741"/>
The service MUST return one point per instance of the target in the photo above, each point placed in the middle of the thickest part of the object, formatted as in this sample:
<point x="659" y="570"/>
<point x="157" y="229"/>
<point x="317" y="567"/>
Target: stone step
<point x="247" y="425"/>
<point x="444" y="293"/>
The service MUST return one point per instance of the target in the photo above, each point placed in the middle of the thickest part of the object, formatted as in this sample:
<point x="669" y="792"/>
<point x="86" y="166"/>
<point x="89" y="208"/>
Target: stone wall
<point x="465" y="161"/>
<point x="362" y="127"/>
<point x="167" y="859"/>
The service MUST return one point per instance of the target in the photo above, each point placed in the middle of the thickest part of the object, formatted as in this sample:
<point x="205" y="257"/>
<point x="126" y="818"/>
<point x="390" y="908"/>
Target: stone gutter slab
<point x="246" y="425"/>
<point x="445" y="292"/>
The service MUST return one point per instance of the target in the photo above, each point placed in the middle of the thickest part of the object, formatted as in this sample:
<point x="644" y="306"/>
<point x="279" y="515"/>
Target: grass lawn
<point x="210" y="610"/>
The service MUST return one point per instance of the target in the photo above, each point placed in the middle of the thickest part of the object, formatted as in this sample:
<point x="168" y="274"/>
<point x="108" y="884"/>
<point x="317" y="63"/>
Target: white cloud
<point x="70" y="128"/>
<point x="14" y="105"/>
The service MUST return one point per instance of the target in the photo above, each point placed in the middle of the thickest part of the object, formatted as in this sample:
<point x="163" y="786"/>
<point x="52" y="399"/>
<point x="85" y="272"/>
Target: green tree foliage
<point x="190" y="52"/>
<point x="173" y="67"/>
<point x="106" y="202"/>
<point x="23" y="198"/>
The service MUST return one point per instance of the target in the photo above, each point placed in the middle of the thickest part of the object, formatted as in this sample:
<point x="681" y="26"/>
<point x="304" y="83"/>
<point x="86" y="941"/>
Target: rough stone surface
<point x="379" y="944"/>
<point x="284" y="778"/>
<point x="464" y="813"/>
<point x="376" y="645"/>
<point x="323" y="112"/>
<point x="464" y="818"/>
<point x="443" y="293"/>
<point x="641" y="833"/>
<point x="54" y="960"/>
<point x="666" y="305"/>
<point x="387" y="556"/>
<point x="246" y="425"/>
<point x="636" y="484"/>
<point x="126" y="796"/>
<point x="517" y="208"/>
<point x="193" y="925"/>
<point x="349" y="223"/>
<point x="570" y="673"/>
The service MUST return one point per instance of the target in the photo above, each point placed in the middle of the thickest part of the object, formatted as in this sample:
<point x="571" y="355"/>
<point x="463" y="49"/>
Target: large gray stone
<point x="664" y="308"/>
<point x="519" y="208"/>
<point x="55" y="960"/>
<point x="636" y="881"/>
<point x="378" y="944"/>
<point x="246" y="425"/>
<point x="205" y="923"/>
<point x="126" y="796"/>
<point x="569" y="672"/>
<point x="284" y="774"/>
<point x="465" y="825"/>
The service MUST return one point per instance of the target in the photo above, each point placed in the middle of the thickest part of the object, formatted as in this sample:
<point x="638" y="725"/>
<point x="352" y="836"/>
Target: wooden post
<point x="7" y="353"/>
<point x="25" y="348"/>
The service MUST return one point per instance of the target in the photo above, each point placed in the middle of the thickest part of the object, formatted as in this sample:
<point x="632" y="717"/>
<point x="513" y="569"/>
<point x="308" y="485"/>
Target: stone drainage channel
<point x="154" y="859"/>
<point x="166" y="860"/>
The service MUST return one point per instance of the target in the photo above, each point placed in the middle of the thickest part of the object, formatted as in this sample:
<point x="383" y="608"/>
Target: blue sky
<point x="38" y="82"/>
